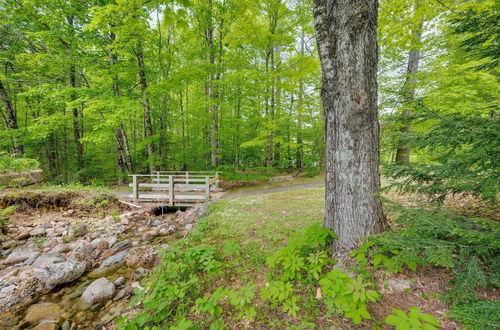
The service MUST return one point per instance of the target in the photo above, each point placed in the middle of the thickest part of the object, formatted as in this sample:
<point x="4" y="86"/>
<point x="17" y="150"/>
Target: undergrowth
<point x="469" y="247"/>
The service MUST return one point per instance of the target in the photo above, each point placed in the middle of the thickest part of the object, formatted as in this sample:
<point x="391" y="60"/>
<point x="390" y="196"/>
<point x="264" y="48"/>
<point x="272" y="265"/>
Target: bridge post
<point x="171" y="190"/>
<point x="135" y="188"/>
<point x="207" y="187"/>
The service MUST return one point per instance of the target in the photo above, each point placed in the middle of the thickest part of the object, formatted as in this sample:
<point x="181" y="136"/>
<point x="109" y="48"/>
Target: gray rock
<point x="122" y="245"/>
<point x="6" y="252"/>
<point x="21" y="255"/>
<point x="119" y="281"/>
<point x="138" y="273"/>
<point x="38" y="231"/>
<point x="66" y="325"/>
<point x="62" y="247"/>
<point x="48" y="259"/>
<point x="95" y="308"/>
<point x="79" y="230"/>
<point x="110" y="265"/>
<point x="63" y="272"/>
<point x="82" y="251"/>
<point x="120" y="295"/>
<point x="398" y="284"/>
<point x="188" y="227"/>
<point x="156" y="223"/>
<point x="100" y="290"/>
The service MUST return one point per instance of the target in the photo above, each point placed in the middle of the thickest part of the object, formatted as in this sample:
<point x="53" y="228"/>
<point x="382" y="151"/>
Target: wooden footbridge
<point x="174" y="188"/>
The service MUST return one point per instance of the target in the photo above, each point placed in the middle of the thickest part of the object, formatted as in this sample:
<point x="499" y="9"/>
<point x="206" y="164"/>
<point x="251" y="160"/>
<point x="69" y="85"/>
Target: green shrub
<point x="10" y="164"/>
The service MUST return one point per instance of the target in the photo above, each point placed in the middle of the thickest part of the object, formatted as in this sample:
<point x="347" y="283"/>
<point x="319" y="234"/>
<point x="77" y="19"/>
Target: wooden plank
<point x="171" y="190"/>
<point x="135" y="189"/>
<point x="151" y="185"/>
<point x="143" y="197"/>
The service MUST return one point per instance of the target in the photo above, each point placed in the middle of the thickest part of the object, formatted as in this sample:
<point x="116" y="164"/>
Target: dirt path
<point x="267" y="190"/>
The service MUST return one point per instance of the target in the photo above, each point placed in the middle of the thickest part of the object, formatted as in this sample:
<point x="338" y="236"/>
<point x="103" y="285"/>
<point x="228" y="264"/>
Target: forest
<point x="335" y="163"/>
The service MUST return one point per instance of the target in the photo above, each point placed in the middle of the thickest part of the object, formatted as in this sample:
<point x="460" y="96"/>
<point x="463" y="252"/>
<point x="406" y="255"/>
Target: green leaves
<point x="347" y="296"/>
<point x="415" y="319"/>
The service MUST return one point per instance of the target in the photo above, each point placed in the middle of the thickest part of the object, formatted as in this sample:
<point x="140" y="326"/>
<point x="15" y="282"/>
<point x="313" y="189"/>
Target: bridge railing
<point x="188" y="176"/>
<point x="170" y="188"/>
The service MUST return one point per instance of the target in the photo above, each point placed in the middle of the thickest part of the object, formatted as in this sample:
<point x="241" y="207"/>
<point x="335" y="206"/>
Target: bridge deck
<point x="179" y="189"/>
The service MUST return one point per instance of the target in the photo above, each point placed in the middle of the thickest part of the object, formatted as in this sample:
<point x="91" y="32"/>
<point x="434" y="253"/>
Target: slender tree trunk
<point x="213" y="90"/>
<point x="148" y="127"/>
<point x="77" y="133"/>
<point x="347" y="43"/>
<point x="122" y="147"/>
<point x="11" y="121"/>
<point x="403" y="152"/>
<point x="300" y="110"/>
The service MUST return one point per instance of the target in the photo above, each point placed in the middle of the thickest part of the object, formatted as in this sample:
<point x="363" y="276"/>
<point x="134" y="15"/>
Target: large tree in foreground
<point x="346" y="32"/>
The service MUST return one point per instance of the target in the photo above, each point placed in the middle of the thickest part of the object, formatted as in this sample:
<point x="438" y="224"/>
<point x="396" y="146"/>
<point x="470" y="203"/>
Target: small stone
<point x="399" y="284"/>
<point x="38" y="231"/>
<point x="61" y="248"/>
<point x="100" y="290"/>
<point x="122" y="245"/>
<point x="120" y="295"/>
<point x="141" y="257"/>
<point x="156" y="223"/>
<point x="46" y="325"/>
<point x="23" y="235"/>
<point x="138" y="273"/>
<point x="119" y="281"/>
<point x="79" y="230"/>
<point x="66" y="325"/>
<point x="95" y="308"/>
<point x="171" y="229"/>
<point x="102" y="245"/>
<point x="188" y="227"/>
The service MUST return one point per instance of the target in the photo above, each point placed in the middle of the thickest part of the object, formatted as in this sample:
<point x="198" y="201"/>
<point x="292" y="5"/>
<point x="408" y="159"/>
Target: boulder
<point x="48" y="259"/>
<point x="100" y="290"/>
<point x="141" y="257"/>
<point x="63" y="272"/>
<point x="21" y="255"/>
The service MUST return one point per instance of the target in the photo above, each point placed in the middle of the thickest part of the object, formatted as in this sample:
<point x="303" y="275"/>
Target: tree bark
<point x="213" y="89"/>
<point x="300" y="106"/>
<point x="403" y="152"/>
<point x="347" y="43"/>
<point x="77" y="132"/>
<point x="122" y="147"/>
<point x="148" y="127"/>
<point x="11" y="121"/>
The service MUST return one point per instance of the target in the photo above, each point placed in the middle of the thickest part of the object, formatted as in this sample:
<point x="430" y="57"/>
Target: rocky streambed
<point x="62" y="270"/>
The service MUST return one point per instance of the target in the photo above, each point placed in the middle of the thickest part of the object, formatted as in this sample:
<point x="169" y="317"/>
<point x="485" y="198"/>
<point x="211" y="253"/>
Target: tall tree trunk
<point x="403" y="152"/>
<point x="11" y="121"/>
<point x="77" y="133"/>
<point x="122" y="147"/>
<point x="213" y="89"/>
<point x="347" y="43"/>
<point x="300" y="109"/>
<point x="148" y="127"/>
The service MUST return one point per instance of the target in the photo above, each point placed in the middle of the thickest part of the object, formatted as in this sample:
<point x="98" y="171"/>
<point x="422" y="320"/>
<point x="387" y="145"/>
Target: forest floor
<point x="94" y="229"/>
